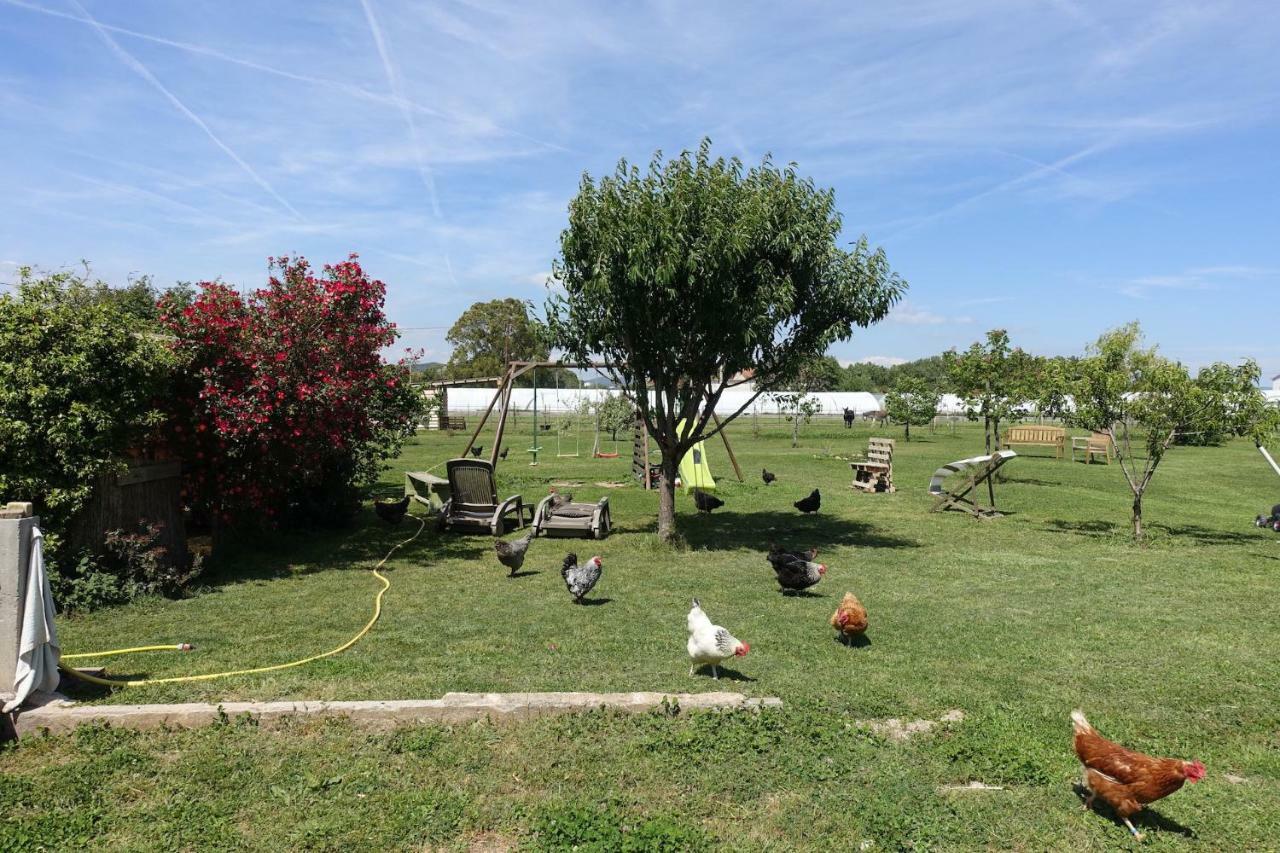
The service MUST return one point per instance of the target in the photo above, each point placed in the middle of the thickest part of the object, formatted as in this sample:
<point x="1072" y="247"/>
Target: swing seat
<point x="605" y="455"/>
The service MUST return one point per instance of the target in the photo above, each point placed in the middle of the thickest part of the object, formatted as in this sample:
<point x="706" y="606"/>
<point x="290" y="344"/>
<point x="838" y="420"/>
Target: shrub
<point x="81" y="372"/>
<point x="132" y="563"/>
<point x="287" y="408"/>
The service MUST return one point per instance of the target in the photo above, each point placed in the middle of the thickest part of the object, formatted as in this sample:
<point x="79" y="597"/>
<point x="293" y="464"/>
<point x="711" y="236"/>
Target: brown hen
<point x="1126" y="780"/>
<point x="850" y="618"/>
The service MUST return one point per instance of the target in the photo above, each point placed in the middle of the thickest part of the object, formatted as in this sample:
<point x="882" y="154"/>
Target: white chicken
<point x="710" y="644"/>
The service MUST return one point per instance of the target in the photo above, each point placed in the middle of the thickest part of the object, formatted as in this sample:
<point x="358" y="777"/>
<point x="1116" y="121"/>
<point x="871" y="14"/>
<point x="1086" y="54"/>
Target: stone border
<point x="59" y="715"/>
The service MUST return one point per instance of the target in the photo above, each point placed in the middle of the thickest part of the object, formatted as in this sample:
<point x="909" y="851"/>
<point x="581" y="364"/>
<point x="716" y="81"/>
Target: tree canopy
<point x="912" y="402"/>
<point x="995" y="381"/>
<point x="694" y="274"/>
<point x="491" y="334"/>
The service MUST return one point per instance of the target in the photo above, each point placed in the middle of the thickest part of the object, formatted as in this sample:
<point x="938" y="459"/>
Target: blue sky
<point x="1055" y="167"/>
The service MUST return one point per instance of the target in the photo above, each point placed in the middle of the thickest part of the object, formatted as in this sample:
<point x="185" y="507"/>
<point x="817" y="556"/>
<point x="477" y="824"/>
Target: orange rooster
<point x="850" y="618"/>
<point x="1126" y="780"/>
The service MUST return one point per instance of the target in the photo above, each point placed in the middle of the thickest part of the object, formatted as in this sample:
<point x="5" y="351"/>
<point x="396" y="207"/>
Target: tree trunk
<point x="667" y="497"/>
<point x="986" y="429"/>
<point x="907" y="427"/>
<point x="1137" y="515"/>
<point x="795" y="431"/>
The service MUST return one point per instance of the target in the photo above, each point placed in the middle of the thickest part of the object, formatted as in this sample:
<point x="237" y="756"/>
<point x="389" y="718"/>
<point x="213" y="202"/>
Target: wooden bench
<point x="875" y="472"/>
<point x="1037" y="436"/>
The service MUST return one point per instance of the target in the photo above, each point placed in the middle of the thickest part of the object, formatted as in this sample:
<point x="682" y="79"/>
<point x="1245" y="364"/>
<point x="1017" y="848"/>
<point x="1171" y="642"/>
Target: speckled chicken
<point x="581" y="579"/>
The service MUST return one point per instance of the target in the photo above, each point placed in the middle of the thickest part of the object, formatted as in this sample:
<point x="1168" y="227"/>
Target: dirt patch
<point x="973" y="785"/>
<point x="901" y="730"/>
<point x="566" y="484"/>
<point x="612" y="485"/>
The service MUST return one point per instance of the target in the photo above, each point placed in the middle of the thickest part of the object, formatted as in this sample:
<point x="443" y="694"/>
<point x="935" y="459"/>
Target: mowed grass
<point x="1170" y="648"/>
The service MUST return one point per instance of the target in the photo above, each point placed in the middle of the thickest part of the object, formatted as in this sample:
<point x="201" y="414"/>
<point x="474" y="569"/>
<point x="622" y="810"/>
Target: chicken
<point x="580" y="579"/>
<point x="503" y="454"/>
<point x="392" y="512"/>
<point x="511" y="554"/>
<point x="1126" y="780"/>
<point x="1272" y="521"/>
<point x="850" y="618"/>
<point x="710" y="644"/>
<point x="810" y="504"/>
<point x="768" y="476"/>
<point x="705" y="502"/>
<point x="477" y="450"/>
<point x="796" y="570"/>
<point x="558" y="501"/>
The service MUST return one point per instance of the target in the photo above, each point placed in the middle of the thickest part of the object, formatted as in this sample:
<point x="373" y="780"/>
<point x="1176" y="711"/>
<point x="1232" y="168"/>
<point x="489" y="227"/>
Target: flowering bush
<point x="286" y="408"/>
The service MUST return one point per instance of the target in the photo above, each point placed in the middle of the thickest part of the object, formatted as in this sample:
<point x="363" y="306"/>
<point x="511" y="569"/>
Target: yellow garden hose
<point x="138" y="682"/>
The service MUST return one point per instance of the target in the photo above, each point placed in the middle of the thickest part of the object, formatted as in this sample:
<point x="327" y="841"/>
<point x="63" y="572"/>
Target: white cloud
<point x="909" y="315"/>
<point x="1196" y="278"/>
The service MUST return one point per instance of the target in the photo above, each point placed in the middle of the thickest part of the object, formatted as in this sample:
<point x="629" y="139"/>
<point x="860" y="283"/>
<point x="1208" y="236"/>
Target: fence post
<point x="16" y="526"/>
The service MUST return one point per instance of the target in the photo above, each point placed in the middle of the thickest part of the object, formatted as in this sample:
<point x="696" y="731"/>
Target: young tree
<point x="613" y="413"/>
<point x="992" y="378"/>
<point x="491" y="334"/>
<point x="798" y="407"/>
<point x="912" y="403"/>
<point x="685" y="275"/>
<point x="1143" y="401"/>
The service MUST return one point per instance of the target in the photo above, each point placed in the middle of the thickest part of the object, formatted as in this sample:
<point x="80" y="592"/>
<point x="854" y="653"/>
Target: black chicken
<point x="810" y="504"/>
<point x="392" y="512"/>
<point x="477" y="450"/>
<point x="503" y="454"/>
<point x="768" y="476"/>
<point x="796" y="570"/>
<point x="705" y="502"/>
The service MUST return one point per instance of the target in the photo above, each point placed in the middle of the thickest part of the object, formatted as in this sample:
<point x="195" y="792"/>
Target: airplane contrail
<point x="142" y="71"/>
<point x="397" y="93"/>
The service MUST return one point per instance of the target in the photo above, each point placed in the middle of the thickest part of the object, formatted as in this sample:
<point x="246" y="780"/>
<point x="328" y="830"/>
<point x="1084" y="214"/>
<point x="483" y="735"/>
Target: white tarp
<point x="38" y="650"/>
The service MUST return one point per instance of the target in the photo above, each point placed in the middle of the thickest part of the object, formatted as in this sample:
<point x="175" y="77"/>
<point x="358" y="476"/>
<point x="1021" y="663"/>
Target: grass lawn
<point x="1170" y="648"/>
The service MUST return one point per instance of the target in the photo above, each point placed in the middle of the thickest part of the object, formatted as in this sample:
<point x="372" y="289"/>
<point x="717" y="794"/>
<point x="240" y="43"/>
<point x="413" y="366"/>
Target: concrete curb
<point x="61" y="716"/>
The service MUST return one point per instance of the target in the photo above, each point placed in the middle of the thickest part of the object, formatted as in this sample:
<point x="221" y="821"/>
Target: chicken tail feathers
<point x="1079" y="724"/>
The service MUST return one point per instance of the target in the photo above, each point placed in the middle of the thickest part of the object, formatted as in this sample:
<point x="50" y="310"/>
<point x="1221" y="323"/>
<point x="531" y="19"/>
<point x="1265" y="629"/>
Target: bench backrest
<point x="1035" y="435"/>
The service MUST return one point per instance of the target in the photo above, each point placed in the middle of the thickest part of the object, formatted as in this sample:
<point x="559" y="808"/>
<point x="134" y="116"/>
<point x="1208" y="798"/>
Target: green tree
<point x="1143" y="401"/>
<point x="912" y="403"/>
<point x="993" y="380"/>
<point x="491" y="334"/>
<point x="683" y="275"/>
<point x="613" y="413"/>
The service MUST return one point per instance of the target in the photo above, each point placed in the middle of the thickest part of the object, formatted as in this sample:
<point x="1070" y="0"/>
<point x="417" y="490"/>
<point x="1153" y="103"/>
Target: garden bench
<point x="1037" y="436"/>
<point x="1093" y="444"/>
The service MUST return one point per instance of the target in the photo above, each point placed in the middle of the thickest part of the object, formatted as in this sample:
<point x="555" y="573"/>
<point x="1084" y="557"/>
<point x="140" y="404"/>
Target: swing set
<point x="502" y="401"/>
